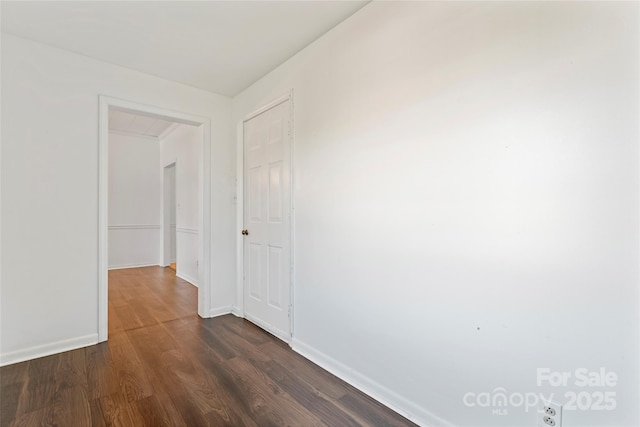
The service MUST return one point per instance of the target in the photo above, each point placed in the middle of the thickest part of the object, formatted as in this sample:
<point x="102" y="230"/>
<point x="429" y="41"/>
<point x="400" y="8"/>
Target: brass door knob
<point x="245" y="232"/>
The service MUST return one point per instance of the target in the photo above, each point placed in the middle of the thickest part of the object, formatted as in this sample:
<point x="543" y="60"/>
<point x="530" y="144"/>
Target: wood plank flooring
<point x="164" y="366"/>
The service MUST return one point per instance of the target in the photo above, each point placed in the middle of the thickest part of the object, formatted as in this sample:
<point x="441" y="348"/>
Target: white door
<point x="267" y="207"/>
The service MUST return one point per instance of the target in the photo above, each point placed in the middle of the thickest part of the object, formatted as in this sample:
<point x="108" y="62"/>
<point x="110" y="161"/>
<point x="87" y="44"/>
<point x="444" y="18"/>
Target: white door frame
<point x="166" y="208"/>
<point x="239" y="308"/>
<point x="204" y="273"/>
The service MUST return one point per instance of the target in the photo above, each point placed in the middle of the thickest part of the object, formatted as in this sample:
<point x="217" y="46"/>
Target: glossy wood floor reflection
<point x="164" y="366"/>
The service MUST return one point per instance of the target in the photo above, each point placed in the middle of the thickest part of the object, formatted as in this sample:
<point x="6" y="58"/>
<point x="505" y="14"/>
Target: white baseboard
<point x="382" y="394"/>
<point x="187" y="278"/>
<point x="236" y="312"/>
<point x="220" y="311"/>
<point x="47" y="349"/>
<point x="122" y="267"/>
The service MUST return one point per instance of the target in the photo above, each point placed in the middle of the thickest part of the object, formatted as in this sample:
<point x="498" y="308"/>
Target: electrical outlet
<point x="549" y="414"/>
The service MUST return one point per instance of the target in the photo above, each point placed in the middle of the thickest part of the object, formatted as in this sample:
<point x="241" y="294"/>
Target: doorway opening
<point x="169" y="217"/>
<point x="196" y="203"/>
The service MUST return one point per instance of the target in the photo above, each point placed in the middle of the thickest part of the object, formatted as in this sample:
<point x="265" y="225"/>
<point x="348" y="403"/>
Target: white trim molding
<point x="136" y="227"/>
<point x="133" y="134"/>
<point x="187" y="230"/>
<point x="47" y="349"/>
<point x="382" y="394"/>
<point x="125" y="266"/>
<point x="204" y="250"/>
<point x="239" y="307"/>
<point x="168" y="131"/>
<point x="220" y="311"/>
<point x="267" y="107"/>
<point x="292" y="217"/>
<point x="190" y="280"/>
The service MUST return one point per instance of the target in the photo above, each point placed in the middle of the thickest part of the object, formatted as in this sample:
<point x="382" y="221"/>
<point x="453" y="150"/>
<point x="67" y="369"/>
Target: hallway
<point x="164" y="366"/>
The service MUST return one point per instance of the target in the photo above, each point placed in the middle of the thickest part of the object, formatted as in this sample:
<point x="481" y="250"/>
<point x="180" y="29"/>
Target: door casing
<point x="169" y="239"/>
<point x="204" y="290"/>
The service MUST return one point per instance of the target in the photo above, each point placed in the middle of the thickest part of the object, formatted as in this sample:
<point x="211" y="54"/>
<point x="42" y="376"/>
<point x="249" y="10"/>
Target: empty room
<point x="340" y="213"/>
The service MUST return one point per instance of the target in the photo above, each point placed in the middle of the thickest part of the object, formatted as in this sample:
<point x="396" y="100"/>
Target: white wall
<point x="135" y="202"/>
<point x="466" y="202"/>
<point x="49" y="189"/>
<point x="183" y="147"/>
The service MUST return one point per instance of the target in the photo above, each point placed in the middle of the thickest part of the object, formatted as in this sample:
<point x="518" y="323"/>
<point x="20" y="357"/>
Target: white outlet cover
<point x="541" y="413"/>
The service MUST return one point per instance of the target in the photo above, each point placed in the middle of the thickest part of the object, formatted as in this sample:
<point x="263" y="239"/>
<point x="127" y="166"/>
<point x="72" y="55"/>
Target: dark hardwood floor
<point x="164" y="366"/>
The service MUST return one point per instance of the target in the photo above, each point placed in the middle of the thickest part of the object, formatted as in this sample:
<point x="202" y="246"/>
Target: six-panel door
<point x="267" y="193"/>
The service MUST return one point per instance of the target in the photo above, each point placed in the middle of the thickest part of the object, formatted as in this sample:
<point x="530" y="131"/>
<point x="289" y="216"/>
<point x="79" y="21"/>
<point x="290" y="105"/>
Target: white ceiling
<point x="121" y="121"/>
<point x="220" y="46"/>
